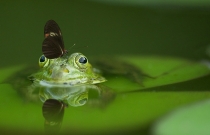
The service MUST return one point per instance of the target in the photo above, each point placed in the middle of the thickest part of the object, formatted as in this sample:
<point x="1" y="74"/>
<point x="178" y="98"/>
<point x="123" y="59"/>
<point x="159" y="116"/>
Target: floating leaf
<point x="164" y="70"/>
<point x="188" y="120"/>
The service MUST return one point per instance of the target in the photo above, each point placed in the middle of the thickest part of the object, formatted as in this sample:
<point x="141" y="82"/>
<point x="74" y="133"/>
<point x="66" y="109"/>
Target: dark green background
<point x="106" y="28"/>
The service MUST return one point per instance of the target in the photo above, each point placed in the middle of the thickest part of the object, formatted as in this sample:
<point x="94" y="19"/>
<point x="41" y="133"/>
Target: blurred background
<point x="178" y="28"/>
<point x="118" y="27"/>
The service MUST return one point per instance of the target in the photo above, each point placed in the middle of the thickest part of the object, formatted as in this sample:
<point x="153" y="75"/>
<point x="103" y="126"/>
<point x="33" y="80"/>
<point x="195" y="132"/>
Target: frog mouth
<point x="74" y="82"/>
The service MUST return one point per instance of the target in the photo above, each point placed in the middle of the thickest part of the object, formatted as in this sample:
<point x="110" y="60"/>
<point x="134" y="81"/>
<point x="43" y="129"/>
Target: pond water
<point x="98" y="30"/>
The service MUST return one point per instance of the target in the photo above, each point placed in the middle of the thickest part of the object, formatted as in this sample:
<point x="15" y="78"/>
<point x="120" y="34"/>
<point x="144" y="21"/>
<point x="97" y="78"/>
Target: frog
<point x="68" y="79"/>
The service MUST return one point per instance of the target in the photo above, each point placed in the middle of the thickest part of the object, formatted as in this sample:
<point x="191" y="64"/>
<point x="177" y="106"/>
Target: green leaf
<point x="165" y="70"/>
<point x="188" y="120"/>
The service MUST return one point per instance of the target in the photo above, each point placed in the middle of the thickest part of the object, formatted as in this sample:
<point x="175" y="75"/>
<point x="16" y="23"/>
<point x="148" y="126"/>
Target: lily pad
<point x="162" y="71"/>
<point x="193" y="119"/>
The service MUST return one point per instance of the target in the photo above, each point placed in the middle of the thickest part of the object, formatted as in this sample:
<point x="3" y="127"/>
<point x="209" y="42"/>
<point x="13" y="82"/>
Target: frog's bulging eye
<point x="81" y="61"/>
<point x="42" y="58"/>
<point x="43" y="61"/>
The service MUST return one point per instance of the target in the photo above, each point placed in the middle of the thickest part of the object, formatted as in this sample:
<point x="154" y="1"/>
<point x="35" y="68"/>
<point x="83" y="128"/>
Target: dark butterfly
<point x="53" y="45"/>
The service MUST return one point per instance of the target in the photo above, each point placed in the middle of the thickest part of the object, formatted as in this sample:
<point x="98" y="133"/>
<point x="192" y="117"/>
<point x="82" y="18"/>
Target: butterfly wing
<point x="53" y="45"/>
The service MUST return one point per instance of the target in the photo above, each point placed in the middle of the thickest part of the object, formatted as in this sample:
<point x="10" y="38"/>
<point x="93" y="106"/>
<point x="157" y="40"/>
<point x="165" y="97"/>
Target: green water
<point x="167" y="30"/>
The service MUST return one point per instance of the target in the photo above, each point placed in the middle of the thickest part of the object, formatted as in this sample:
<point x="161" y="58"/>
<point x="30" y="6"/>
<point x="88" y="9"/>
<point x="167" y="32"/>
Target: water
<point x="103" y="29"/>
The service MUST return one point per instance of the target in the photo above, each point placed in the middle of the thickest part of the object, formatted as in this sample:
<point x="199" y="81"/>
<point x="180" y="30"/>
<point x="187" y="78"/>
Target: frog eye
<point x="42" y="58"/>
<point x="81" y="61"/>
<point x="43" y="61"/>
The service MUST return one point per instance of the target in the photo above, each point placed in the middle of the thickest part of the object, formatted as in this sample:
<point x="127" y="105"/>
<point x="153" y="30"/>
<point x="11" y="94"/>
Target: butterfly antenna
<point x="72" y="46"/>
<point x="66" y="51"/>
<point x="79" y="47"/>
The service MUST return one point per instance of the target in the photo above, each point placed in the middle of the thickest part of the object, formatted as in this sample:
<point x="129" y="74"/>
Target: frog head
<point x="71" y="70"/>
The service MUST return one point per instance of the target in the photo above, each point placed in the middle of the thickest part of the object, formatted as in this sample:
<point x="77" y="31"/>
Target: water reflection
<point x="53" y="111"/>
<point x="73" y="96"/>
<point x="56" y="99"/>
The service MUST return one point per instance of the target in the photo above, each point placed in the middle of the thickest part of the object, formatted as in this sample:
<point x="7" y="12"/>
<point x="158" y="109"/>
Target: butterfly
<point x="53" y="45"/>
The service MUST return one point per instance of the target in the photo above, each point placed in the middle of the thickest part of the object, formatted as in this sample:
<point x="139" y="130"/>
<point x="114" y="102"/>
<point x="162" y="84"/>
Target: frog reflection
<point x="72" y="96"/>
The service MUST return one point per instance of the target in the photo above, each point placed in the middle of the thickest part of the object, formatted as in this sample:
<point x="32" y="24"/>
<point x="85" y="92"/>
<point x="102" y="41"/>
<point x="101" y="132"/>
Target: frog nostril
<point x="66" y="70"/>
